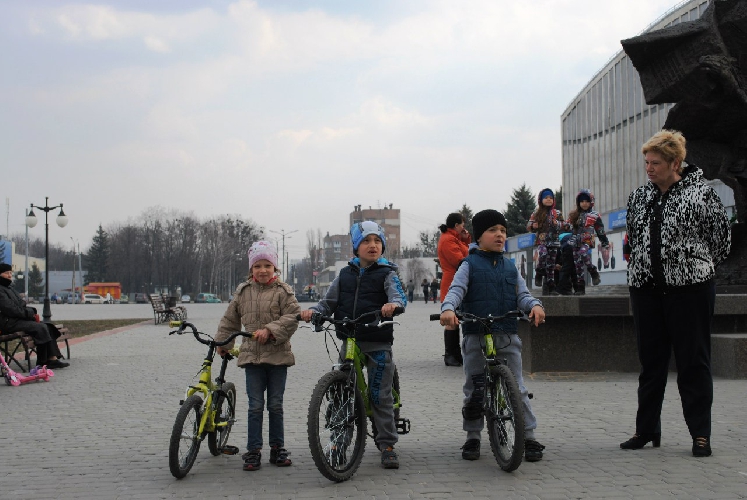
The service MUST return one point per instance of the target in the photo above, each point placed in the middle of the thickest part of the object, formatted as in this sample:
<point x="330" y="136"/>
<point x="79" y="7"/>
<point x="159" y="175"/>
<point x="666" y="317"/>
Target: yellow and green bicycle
<point x="341" y="402"/>
<point x="207" y="410"/>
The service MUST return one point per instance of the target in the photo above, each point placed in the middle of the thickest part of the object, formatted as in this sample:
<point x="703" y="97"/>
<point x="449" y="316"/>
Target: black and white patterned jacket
<point x="695" y="232"/>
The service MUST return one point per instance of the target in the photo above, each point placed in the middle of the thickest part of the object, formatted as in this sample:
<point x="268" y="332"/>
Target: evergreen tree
<point x="98" y="257"/>
<point x="467" y="213"/>
<point x="519" y="209"/>
<point x="36" y="282"/>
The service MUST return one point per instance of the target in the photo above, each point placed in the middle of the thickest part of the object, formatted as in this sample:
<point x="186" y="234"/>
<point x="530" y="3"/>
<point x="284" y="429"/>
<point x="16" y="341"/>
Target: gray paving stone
<point x="100" y="429"/>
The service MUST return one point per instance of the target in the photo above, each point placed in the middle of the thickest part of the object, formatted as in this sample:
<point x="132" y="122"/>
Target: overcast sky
<point x="289" y="113"/>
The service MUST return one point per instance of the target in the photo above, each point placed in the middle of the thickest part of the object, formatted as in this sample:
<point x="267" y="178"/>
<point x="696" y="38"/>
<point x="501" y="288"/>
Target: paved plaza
<point x="100" y="428"/>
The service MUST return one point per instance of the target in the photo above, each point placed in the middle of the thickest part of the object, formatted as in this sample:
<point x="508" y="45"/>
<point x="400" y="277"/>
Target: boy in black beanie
<point x="487" y="283"/>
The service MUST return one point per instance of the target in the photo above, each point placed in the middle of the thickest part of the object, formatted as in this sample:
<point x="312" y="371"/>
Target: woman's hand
<point x="306" y="315"/>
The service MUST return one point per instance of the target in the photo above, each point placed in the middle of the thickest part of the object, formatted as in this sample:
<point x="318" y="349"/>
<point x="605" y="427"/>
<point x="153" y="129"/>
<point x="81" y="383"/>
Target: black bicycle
<point x="341" y="402"/>
<point x="504" y="416"/>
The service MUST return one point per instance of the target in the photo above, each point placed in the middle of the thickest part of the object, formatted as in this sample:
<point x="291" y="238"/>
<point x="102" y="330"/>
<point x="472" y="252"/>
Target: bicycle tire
<point x="225" y="411"/>
<point x="185" y="440"/>
<point x="337" y="426"/>
<point x="504" y="417"/>
<point x="395" y="386"/>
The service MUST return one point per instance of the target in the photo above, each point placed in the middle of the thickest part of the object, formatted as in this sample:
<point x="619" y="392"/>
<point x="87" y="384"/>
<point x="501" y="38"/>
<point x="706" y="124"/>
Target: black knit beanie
<point x="485" y="220"/>
<point x="5" y="267"/>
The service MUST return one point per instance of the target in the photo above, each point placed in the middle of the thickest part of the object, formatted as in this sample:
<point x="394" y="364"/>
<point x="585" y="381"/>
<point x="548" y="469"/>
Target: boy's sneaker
<point x="279" y="456"/>
<point x="252" y="460"/>
<point x="471" y="449"/>
<point x="532" y="450"/>
<point x="389" y="458"/>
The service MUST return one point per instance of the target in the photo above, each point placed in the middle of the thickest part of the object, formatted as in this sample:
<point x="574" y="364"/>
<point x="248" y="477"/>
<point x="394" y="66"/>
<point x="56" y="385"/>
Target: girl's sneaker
<point x="252" y="460"/>
<point x="279" y="456"/>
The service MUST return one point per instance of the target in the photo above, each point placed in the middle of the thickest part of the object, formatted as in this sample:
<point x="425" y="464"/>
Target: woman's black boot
<point x="453" y="353"/>
<point x="638" y="441"/>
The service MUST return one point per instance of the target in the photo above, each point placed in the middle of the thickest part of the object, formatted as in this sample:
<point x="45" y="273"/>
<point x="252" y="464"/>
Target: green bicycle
<point x="336" y="423"/>
<point x="504" y="414"/>
<point x="207" y="410"/>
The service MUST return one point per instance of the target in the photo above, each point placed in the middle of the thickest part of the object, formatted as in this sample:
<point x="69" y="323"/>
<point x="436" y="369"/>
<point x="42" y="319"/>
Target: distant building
<point x="388" y="218"/>
<point x="337" y="247"/>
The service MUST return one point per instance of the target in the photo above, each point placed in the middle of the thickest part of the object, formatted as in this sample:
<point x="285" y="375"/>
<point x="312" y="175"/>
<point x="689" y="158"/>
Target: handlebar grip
<point x="435" y="317"/>
<point x="399" y="310"/>
<point x="298" y="317"/>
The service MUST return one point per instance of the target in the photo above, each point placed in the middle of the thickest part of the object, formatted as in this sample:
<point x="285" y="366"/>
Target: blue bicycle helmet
<point x="360" y="230"/>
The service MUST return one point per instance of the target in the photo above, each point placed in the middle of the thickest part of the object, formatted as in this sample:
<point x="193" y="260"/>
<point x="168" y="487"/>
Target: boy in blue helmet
<point x="367" y="284"/>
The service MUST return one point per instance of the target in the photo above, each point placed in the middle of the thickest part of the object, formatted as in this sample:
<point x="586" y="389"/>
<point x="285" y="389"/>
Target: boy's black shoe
<point x="471" y="449"/>
<point x="532" y="450"/>
<point x="538" y="280"/>
<point x="279" y="456"/>
<point x="252" y="460"/>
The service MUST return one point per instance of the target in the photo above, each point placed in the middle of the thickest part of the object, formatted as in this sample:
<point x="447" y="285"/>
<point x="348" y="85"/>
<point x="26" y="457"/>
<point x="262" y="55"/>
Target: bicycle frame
<point x="209" y="388"/>
<point x="354" y="355"/>
<point x="355" y="359"/>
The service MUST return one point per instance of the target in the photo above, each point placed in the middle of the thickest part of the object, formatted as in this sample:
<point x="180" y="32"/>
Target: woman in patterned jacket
<point x="678" y="233"/>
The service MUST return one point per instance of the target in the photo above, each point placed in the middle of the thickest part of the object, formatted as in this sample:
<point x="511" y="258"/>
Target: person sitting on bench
<point x="15" y="316"/>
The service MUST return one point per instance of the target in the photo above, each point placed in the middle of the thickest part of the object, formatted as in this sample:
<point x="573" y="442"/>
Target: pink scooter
<point x="36" y="373"/>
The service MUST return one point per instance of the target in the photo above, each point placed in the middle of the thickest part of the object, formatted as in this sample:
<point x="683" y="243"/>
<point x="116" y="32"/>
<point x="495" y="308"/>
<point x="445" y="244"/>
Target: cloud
<point x="156" y="45"/>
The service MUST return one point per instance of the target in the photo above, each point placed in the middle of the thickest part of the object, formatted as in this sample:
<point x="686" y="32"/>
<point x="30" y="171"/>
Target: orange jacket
<point x="451" y="251"/>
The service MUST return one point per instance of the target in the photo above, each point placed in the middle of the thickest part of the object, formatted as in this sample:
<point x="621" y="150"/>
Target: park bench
<point x="163" y="311"/>
<point x="12" y="344"/>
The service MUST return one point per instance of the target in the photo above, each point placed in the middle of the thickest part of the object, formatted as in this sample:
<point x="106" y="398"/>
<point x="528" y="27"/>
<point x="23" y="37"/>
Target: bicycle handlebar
<point x="317" y="319"/>
<point x="183" y="327"/>
<point x="471" y="318"/>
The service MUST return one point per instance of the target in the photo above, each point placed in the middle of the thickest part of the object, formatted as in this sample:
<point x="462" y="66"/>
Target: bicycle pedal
<point x="403" y="426"/>
<point x="230" y="450"/>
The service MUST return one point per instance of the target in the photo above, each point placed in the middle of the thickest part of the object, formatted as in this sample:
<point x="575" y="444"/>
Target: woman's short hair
<point x="670" y="144"/>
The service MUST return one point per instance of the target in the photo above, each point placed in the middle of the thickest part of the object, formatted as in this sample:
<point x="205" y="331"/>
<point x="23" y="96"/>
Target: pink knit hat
<point x="262" y="250"/>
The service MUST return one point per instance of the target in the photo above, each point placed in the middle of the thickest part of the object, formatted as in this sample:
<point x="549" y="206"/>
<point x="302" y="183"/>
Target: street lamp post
<point x="31" y="222"/>
<point x="283" y="233"/>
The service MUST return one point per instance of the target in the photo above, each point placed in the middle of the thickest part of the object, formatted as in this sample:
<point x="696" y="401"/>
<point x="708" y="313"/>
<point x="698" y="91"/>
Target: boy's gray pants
<point x="380" y="369"/>
<point x="474" y="384"/>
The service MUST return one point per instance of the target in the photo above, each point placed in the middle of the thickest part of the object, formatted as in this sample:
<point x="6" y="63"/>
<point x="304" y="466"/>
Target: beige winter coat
<point x="257" y="306"/>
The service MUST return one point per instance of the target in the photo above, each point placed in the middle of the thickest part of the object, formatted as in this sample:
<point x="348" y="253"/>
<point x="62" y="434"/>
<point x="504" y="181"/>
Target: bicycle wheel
<point x="504" y="417"/>
<point x="185" y="440"/>
<point x="225" y="411"/>
<point x="395" y="386"/>
<point x="337" y="426"/>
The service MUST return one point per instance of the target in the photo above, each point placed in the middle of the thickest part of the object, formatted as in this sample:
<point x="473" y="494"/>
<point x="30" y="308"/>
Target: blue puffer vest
<point x="492" y="290"/>
<point x="362" y="293"/>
